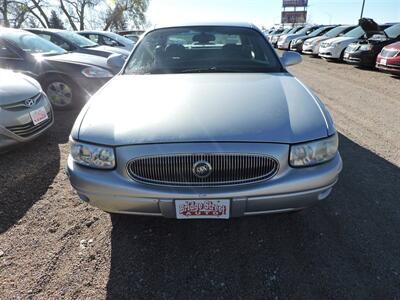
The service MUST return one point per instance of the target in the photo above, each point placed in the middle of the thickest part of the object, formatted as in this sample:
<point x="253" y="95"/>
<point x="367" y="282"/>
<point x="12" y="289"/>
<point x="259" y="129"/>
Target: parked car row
<point x="49" y="68"/>
<point x="68" y="66"/>
<point x="366" y="45"/>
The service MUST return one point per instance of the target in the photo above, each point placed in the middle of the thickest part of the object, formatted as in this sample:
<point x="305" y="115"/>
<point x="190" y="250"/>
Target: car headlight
<point x="297" y="41"/>
<point x="314" y="153"/>
<point x="94" y="156"/>
<point x="366" y="47"/>
<point x="96" y="72"/>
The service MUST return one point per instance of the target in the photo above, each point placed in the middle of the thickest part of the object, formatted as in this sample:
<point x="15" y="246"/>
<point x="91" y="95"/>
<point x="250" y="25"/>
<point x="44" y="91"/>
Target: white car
<point x="311" y="46"/>
<point x="25" y="111"/>
<point x="334" y="48"/>
<point x="285" y="40"/>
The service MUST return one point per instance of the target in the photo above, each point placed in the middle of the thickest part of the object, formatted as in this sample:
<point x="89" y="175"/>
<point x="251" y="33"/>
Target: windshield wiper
<point x="209" y="70"/>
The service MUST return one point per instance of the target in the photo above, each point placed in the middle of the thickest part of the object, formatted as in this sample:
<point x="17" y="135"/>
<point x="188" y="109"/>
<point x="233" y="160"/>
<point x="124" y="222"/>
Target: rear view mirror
<point x="116" y="61"/>
<point x="290" y="58"/>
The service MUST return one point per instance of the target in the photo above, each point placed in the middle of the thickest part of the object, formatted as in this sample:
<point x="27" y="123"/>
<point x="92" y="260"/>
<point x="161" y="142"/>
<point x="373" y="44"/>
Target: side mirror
<point x="290" y="58"/>
<point x="116" y="61"/>
<point x="111" y="43"/>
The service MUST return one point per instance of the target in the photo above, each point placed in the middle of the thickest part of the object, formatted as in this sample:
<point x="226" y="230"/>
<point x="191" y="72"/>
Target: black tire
<point x="73" y="97"/>
<point x="341" y="59"/>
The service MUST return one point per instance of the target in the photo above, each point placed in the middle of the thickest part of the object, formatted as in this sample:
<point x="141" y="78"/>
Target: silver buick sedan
<point x="204" y="121"/>
<point x="25" y="111"/>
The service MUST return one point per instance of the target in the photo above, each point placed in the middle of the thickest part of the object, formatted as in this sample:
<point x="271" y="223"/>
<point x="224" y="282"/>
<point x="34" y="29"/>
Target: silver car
<point x="211" y="127"/>
<point x="25" y="111"/>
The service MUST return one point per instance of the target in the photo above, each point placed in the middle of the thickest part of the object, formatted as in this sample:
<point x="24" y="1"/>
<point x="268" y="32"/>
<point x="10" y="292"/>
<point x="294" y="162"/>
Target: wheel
<point x="62" y="92"/>
<point x="341" y="58"/>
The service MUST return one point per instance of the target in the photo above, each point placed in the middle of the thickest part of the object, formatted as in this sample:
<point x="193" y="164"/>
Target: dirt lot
<point x="53" y="246"/>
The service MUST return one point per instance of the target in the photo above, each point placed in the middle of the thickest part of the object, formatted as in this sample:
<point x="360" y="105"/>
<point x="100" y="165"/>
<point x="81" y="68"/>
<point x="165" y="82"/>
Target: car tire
<point x="62" y="92"/>
<point x="341" y="58"/>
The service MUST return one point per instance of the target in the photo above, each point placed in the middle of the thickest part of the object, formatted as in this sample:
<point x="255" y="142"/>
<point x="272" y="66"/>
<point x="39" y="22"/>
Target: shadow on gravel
<point x="27" y="171"/>
<point x="347" y="247"/>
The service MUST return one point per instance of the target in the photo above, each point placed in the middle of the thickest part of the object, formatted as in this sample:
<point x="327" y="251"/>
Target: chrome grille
<point x="227" y="169"/>
<point x="28" y="129"/>
<point x="389" y="52"/>
<point x="21" y="104"/>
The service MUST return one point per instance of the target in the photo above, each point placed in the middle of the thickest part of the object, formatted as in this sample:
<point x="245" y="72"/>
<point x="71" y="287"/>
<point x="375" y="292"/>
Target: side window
<point x="7" y="53"/>
<point x="92" y="37"/>
<point x="59" y="42"/>
<point x="110" y="42"/>
<point x="45" y="36"/>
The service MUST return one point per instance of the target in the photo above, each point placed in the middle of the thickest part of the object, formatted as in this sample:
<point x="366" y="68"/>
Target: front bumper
<point x="290" y="189"/>
<point x="9" y="139"/>
<point x="284" y="45"/>
<point x="296" y="47"/>
<point x="361" y="58"/>
<point x="391" y="65"/>
<point x="310" y="49"/>
<point x="330" y="52"/>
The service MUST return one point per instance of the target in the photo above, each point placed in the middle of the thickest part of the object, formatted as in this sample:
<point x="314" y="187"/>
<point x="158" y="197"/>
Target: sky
<point x="267" y="12"/>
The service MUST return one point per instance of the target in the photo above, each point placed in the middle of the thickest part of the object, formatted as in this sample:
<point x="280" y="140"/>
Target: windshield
<point x="295" y="29"/>
<point x="304" y="30"/>
<point x="278" y="31"/>
<point x="393" y="31"/>
<point x="335" y="31"/>
<point x="355" y="33"/>
<point x="76" y="39"/>
<point x="206" y="49"/>
<point x="317" y="32"/>
<point x="32" y="43"/>
<point x="119" y="38"/>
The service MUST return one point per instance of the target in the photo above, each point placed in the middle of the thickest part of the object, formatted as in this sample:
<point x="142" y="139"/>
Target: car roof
<point x="46" y="29"/>
<point x="94" y="31"/>
<point x="4" y="30"/>
<point x="186" y="24"/>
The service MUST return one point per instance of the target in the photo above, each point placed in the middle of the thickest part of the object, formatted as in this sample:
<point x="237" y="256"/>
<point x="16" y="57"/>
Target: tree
<point x="75" y="11"/>
<point x="123" y="11"/>
<point x="55" y="21"/>
<point x="13" y="12"/>
<point x="37" y="5"/>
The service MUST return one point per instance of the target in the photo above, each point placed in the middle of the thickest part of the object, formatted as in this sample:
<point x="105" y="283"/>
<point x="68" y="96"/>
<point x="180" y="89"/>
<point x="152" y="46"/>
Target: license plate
<point x="202" y="209"/>
<point x="346" y="55"/>
<point x="39" y="115"/>
<point x="383" y="61"/>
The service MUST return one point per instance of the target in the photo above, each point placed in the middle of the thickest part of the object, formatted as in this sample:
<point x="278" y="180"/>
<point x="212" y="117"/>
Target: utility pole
<point x="362" y="9"/>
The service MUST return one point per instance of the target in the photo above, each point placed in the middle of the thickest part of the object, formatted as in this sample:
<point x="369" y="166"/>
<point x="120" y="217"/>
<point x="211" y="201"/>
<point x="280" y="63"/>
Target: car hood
<point x="316" y="39"/>
<point x="80" y="58"/>
<point x="109" y="49"/>
<point x="393" y="46"/>
<point x="293" y="36"/>
<point x="342" y="39"/>
<point x="140" y="109"/>
<point x="17" y="87"/>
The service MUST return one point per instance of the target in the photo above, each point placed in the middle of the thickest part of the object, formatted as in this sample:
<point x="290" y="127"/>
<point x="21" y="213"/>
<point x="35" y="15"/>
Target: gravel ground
<point x="52" y="246"/>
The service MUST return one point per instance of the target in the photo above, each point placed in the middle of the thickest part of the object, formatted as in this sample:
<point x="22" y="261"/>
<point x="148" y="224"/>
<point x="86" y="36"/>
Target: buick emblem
<point x="30" y="102"/>
<point x="202" y="169"/>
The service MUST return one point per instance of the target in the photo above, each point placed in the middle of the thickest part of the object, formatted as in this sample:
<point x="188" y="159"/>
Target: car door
<point x="56" y="40"/>
<point x="15" y="59"/>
